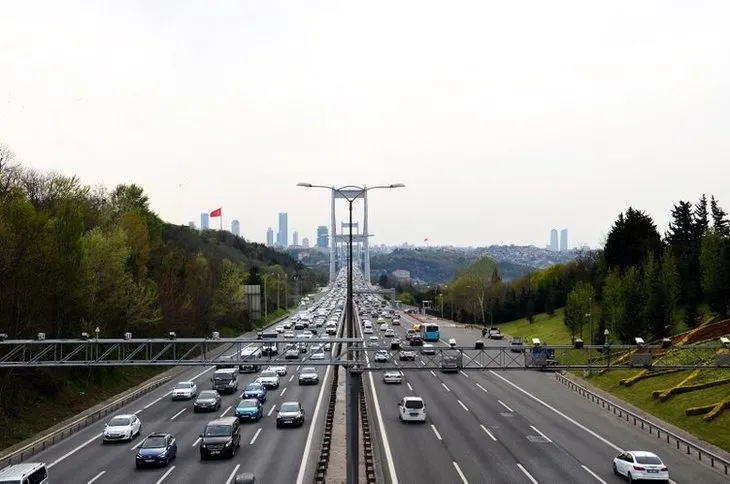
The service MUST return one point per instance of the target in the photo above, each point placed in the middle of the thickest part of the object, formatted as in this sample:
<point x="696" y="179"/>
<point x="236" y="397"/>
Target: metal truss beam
<point x="200" y="351"/>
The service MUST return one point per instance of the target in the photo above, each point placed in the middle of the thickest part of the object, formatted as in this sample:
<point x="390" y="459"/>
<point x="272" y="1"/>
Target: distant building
<point x="282" y="237"/>
<point x="204" y="221"/>
<point x="305" y="242"/>
<point x="191" y="224"/>
<point x="564" y="240"/>
<point x="236" y="228"/>
<point x="322" y="236"/>
<point x="295" y="238"/>
<point x="270" y="237"/>
<point x="402" y="275"/>
<point x="554" y="240"/>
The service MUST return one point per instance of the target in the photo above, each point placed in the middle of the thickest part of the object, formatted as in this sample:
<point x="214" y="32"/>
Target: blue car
<point x="250" y="409"/>
<point x="158" y="449"/>
<point x="254" y="390"/>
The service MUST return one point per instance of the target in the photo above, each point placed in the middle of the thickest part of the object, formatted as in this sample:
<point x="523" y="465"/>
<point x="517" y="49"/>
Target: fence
<point x="704" y="455"/>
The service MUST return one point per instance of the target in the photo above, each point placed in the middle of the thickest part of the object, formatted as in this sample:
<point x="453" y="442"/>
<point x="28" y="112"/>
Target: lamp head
<point x="304" y="184"/>
<point x="397" y="185"/>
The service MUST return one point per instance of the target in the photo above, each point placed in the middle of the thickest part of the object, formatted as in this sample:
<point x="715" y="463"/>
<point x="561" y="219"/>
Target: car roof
<point x="22" y="469"/>
<point x="186" y="381"/>
<point x="223" y="421"/>
<point x="642" y="453"/>
<point x="308" y="368"/>
<point x="157" y="434"/>
<point x="412" y="398"/>
<point x="291" y="402"/>
<point x="127" y="415"/>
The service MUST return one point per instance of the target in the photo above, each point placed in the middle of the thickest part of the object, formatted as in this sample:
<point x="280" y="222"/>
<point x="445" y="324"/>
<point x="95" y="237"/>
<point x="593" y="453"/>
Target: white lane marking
<point x="423" y="363"/>
<point x="558" y="412"/>
<point x="136" y="446"/>
<point x="488" y="433"/>
<point x="94" y="479"/>
<point x="463" y="373"/>
<point x="434" y="374"/>
<point x="524" y="471"/>
<point x="395" y="362"/>
<point x="540" y="433"/>
<point x="409" y="386"/>
<point x="593" y="474"/>
<point x="273" y="407"/>
<point x="461" y="474"/>
<point x="195" y="444"/>
<point x="447" y="388"/>
<point x="438" y="435"/>
<point x="165" y="474"/>
<point x="202" y="373"/>
<point x="178" y="414"/>
<point x="225" y="412"/>
<point x="383" y="433"/>
<point x="233" y="474"/>
<point x="255" y="436"/>
<point x="505" y="405"/>
<point x="283" y="392"/>
<point x="462" y="405"/>
<point x="157" y="400"/>
<point x="74" y="450"/>
<point x="298" y="366"/>
<point x="291" y="378"/>
<point x="482" y="388"/>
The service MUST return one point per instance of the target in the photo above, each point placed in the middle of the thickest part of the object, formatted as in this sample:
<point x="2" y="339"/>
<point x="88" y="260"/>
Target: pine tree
<point x="719" y="218"/>
<point x="632" y="237"/>
<point x="702" y="222"/>
<point x="684" y="239"/>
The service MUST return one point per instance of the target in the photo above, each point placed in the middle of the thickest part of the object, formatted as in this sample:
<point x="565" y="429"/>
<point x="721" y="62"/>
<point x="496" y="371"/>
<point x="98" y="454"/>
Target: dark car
<point x="416" y="341"/>
<point x="290" y="413"/>
<point x="207" y="401"/>
<point x="249" y="409"/>
<point x="220" y="438"/>
<point x="158" y="449"/>
<point x="254" y="390"/>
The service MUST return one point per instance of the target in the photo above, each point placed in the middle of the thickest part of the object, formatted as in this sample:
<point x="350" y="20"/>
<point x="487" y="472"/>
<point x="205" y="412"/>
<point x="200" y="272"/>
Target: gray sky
<point x="504" y="119"/>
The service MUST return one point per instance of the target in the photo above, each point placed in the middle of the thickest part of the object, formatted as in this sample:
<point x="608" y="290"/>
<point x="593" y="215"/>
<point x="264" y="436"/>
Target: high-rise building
<point x="270" y="237"/>
<point x="191" y="224"/>
<point x="563" y="240"/>
<point x="554" y="240"/>
<point x="236" y="228"/>
<point x="295" y="238"/>
<point x="204" y="221"/>
<point x="283" y="236"/>
<point x="305" y="242"/>
<point x="322" y="236"/>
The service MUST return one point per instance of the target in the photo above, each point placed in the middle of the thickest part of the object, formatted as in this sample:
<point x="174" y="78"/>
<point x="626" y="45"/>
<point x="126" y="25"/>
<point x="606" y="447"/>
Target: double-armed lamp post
<point x="352" y="382"/>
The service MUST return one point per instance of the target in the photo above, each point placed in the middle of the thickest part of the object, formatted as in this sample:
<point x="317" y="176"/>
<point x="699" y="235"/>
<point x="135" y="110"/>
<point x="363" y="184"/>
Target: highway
<point x="511" y="426"/>
<point x="273" y="455"/>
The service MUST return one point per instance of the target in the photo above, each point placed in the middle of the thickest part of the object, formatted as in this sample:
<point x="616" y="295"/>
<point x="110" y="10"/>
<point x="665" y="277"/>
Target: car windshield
<point x="222" y="377"/>
<point x="289" y="407"/>
<point x="183" y="386"/>
<point x="251" y="387"/>
<point x="153" y="443"/>
<point x="648" y="459"/>
<point x="268" y="374"/>
<point x="414" y="404"/>
<point x="119" y="421"/>
<point x="217" y="431"/>
<point x="248" y="404"/>
<point x="207" y="394"/>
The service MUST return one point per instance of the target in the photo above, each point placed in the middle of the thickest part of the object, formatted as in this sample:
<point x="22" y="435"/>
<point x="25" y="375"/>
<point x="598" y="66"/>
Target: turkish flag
<point x="218" y="212"/>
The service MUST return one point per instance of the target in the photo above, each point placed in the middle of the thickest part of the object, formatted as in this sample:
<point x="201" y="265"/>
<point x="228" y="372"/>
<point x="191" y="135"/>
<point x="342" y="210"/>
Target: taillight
<point x="639" y="468"/>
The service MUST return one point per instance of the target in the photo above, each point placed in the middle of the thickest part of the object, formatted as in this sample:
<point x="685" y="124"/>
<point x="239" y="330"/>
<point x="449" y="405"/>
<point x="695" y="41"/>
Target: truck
<point x="451" y="360"/>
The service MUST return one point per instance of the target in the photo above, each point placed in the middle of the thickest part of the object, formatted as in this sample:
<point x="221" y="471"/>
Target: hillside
<point x="437" y="266"/>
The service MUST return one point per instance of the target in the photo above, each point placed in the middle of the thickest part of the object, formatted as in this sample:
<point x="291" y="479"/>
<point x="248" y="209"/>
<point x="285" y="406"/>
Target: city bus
<point x="430" y="332"/>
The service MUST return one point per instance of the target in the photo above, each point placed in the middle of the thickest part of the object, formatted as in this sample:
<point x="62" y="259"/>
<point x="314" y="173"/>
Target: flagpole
<point x="221" y="218"/>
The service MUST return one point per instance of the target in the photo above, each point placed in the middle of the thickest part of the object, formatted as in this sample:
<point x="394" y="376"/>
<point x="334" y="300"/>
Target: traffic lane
<point x="413" y="444"/>
<point x="520" y="437"/>
<point x="611" y="433"/>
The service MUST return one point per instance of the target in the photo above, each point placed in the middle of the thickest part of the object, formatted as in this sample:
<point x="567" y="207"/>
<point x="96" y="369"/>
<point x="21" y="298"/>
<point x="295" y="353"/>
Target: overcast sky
<point x="503" y="118"/>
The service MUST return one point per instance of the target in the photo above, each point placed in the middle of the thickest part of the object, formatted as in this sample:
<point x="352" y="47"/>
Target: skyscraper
<point x="191" y="224"/>
<point x="305" y="242"/>
<point x="322" y="236"/>
<point x="204" y="221"/>
<point x="554" y="240"/>
<point x="295" y="238"/>
<point x="563" y="240"/>
<point x="236" y="228"/>
<point x="283" y="236"/>
<point x="270" y="237"/>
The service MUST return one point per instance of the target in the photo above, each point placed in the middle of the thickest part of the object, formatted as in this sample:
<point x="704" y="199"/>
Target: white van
<point x="26" y="473"/>
<point x="252" y="357"/>
<point x="452" y="342"/>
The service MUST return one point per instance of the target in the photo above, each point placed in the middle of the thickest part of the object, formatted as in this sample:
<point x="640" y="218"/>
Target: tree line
<point x="74" y="258"/>
<point x="640" y="284"/>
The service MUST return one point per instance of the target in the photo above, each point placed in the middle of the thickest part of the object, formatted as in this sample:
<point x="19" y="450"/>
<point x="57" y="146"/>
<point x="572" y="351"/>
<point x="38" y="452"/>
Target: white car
<point x="392" y="377"/>
<point x="317" y="356"/>
<point x="412" y="409"/>
<point x="269" y="379"/>
<point x="184" y="390"/>
<point x="639" y="465"/>
<point x="122" y="427"/>
<point x="280" y="370"/>
<point x="395" y="322"/>
<point x="428" y="349"/>
<point x="389" y="333"/>
<point x="384" y="327"/>
<point x="289" y="334"/>
<point x="381" y="356"/>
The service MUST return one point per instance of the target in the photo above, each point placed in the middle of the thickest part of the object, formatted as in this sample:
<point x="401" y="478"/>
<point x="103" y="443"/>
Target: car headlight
<point x="163" y="453"/>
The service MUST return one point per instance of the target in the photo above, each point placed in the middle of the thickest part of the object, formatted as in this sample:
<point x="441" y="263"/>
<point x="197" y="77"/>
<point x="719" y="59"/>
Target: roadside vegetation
<point x="74" y="258"/>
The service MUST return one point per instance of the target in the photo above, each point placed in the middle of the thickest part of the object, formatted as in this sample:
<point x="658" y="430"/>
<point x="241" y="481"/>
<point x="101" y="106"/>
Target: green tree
<point x="228" y="295"/>
<point x="632" y="325"/>
<point x="712" y="257"/>
<point x="576" y="307"/>
<point x="684" y="239"/>
<point x="719" y="219"/>
<point x="670" y="290"/>
<point x="612" y="305"/>
<point x="530" y="310"/>
<point x="701" y="216"/>
<point x="631" y="238"/>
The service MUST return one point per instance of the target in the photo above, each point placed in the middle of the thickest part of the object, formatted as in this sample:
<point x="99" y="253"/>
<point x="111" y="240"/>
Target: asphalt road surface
<point x="510" y="426"/>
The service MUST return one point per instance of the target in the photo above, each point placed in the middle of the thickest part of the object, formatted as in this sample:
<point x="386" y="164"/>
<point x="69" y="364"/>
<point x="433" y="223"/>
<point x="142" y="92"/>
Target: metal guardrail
<point x="56" y="436"/>
<point x="715" y="460"/>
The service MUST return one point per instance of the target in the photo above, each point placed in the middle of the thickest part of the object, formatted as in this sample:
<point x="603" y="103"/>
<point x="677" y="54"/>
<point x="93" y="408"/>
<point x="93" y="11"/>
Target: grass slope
<point x="550" y="329"/>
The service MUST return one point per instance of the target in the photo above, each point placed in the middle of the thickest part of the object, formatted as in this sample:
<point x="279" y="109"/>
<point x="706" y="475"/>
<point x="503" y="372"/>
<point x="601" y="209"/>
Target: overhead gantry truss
<point x="210" y="352"/>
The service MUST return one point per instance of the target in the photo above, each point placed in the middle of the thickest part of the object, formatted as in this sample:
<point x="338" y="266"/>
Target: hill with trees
<point x="74" y="258"/>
